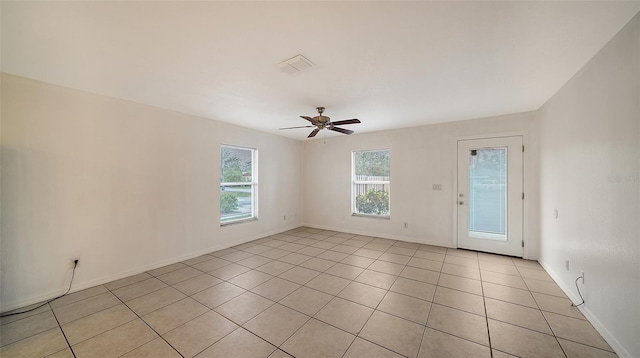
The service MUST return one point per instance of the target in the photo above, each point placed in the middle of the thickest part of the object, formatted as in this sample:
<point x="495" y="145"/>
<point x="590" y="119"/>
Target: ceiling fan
<point x="324" y="122"/>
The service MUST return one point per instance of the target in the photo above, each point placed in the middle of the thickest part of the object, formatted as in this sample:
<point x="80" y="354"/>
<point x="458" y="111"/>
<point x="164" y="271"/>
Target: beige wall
<point x="420" y="157"/>
<point x="587" y="165"/>
<point x="124" y="186"/>
<point x="590" y="172"/>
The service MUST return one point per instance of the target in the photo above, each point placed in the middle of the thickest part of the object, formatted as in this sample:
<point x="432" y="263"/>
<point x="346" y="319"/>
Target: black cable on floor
<point x="582" y="298"/>
<point x="73" y="273"/>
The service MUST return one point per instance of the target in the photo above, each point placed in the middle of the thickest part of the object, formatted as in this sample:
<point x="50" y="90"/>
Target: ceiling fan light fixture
<point x="295" y="64"/>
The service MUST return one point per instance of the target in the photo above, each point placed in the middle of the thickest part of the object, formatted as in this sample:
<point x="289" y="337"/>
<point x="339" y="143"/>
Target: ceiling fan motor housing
<point x="322" y="119"/>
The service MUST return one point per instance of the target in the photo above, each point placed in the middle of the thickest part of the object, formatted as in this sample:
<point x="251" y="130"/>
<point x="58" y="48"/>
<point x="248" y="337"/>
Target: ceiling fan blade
<point x="313" y="134"/>
<point x="347" y="121"/>
<point x="309" y="119"/>
<point x="341" y="130"/>
<point x="296" y="127"/>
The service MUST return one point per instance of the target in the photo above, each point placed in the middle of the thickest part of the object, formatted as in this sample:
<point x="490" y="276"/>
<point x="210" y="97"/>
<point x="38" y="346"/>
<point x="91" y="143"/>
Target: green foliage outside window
<point x="372" y="163"/>
<point x="235" y="169"/>
<point x="373" y="202"/>
<point x="228" y="203"/>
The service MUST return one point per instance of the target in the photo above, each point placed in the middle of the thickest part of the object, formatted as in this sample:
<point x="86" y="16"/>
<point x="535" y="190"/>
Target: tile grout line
<point x="486" y="314"/>
<point x="148" y="325"/>
<point x="240" y="326"/>
<point x="426" y="322"/>
<point x="537" y="305"/>
<point x="31" y="335"/>
<point x="303" y="285"/>
<point x="507" y="286"/>
<point x="336" y="296"/>
<point x="62" y="330"/>
<point x="374" y="309"/>
<point x="545" y="317"/>
<point x="325" y="305"/>
<point x="58" y="322"/>
<point x="277" y="347"/>
<point x="228" y="334"/>
<point x="387" y="291"/>
<point x="483" y="300"/>
<point x="310" y="316"/>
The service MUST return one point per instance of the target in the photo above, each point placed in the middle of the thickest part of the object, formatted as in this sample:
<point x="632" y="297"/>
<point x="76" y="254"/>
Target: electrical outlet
<point x="406" y="225"/>
<point x="582" y="275"/>
<point x="73" y="262"/>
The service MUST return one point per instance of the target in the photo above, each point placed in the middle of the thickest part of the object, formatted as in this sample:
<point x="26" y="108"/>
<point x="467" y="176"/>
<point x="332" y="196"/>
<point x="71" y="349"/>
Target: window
<point x="371" y="181"/>
<point x="238" y="184"/>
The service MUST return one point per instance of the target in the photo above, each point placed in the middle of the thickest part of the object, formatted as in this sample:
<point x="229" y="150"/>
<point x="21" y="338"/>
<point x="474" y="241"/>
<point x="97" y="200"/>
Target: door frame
<point x="527" y="207"/>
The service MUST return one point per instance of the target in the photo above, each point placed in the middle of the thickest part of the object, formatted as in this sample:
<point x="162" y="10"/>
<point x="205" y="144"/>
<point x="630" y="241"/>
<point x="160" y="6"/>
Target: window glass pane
<point x="236" y="202"/>
<point x="488" y="193"/>
<point x="372" y="164"/>
<point x="236" y="165"/>
<point x="372" y="199"/>
<point x="237" y="199"/>
<point x="371" y="182"/>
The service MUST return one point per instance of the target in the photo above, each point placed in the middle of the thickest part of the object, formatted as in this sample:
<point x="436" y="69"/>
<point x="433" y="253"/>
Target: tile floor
<point x="315" y="293"/>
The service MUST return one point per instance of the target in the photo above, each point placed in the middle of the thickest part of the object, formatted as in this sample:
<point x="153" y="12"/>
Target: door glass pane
<point x="488" y="193"/>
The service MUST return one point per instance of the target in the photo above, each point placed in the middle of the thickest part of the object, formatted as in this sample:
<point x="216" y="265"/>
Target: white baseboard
<point x="573" y="296"/>
<point x="384" y="236"/>
<point x="105" y="279"/>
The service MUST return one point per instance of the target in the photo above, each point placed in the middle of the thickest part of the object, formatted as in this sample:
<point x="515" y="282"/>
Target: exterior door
<point x="490" y="195"/>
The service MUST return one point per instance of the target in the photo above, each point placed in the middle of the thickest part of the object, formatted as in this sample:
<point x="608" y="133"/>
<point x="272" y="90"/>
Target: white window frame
<point x="355" y="182"/>
<point x="253" y="183"/>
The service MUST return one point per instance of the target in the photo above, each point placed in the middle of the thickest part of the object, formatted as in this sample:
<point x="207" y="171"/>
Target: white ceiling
<point x="390" y="64"/>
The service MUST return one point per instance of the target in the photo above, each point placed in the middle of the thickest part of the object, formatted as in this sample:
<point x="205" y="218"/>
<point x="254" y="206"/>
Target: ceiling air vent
<point x="295" y="64"/>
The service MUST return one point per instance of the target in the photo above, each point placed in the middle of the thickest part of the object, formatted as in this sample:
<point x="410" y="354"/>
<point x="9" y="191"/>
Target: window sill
<point x="372" y="216"/>
<point x="236" y="222"/>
